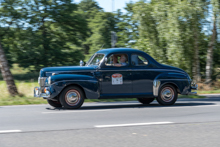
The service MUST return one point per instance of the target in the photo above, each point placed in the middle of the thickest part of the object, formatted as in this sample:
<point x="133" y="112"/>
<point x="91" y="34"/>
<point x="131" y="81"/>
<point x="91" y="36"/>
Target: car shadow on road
<point x="113" y="105"/>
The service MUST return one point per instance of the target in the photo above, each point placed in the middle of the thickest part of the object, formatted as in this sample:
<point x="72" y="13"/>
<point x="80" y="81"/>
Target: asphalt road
<point x="188" y="123"/>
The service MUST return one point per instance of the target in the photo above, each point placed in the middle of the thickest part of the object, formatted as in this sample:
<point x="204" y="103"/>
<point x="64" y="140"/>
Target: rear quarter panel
<point x="180" y="80"/>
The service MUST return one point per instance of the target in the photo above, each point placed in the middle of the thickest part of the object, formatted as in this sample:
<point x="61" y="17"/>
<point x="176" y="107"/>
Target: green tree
<point x="10" y="16"/>
<point x="52" y="35"/>
<point x="101" y="27"/>
<point x="170" y="31"/>
<point x="88" y="9"/>
<point x="209" y="61"/>
<point x="127" y="26"/>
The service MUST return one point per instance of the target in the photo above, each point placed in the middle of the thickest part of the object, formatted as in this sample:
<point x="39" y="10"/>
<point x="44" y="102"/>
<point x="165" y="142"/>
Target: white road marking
<point x="134" y="124"/>
<point x="9" y="131"/>
<point x="74" y="111"/>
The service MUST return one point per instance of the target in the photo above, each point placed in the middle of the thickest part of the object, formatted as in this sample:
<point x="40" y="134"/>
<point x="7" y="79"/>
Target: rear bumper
<point x="194" y="87"/>
<point x="38" y="92"/>
<point x="192" y="93"/>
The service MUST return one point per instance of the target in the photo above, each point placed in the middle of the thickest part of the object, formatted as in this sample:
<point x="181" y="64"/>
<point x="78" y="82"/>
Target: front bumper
<point x="193" y="87"/>
<point x="38" y="92"/>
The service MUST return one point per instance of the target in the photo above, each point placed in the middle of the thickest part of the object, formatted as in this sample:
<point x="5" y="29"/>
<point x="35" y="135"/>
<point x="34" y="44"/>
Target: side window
<point x="117" y="60"/>
<point x="138" y="60"/>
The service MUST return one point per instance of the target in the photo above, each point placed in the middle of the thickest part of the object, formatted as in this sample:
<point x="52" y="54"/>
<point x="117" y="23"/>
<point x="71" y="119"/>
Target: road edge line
<point x="132" y="124"/>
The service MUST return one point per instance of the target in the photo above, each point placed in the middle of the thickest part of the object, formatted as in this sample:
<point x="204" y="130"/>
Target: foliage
<point x="101" y="26"/>
<point x="127" y="32"/>
<point x="50" y="36"/>
<point x="40" y="33"/>
<point x="168" y="28"/>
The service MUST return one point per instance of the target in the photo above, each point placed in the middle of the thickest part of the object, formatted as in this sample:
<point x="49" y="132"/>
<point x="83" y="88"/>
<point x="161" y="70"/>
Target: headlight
<point x="49" y="80"/>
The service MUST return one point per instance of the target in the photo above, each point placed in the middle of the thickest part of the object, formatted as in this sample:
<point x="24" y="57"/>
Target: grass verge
<point x="21" y="101"/>
<point x="191" y="96"/>
<point x="25" y="89"/>
<point x="210" y="92"/>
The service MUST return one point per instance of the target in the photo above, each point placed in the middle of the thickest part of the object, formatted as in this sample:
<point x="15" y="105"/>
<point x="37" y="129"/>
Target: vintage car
<point x="114" y="73"/>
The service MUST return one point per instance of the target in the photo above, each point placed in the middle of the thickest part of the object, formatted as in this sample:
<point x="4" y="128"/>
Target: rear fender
<point x="180" y="80"/>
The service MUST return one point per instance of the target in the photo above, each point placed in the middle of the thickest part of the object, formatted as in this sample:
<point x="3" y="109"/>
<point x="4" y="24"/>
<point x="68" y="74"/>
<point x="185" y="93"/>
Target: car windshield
<point x="95" y="59"/>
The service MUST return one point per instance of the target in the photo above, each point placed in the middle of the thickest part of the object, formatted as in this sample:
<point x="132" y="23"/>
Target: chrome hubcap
<point x="167" y="94"/>
<point x="72" y="97"/>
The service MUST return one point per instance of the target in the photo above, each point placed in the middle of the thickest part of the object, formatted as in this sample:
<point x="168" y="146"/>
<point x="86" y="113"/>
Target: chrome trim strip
<point x="70" y="71"/>
<point x="117" y="70"/>
<point x="175" y="79"/>
<point x="73" y="80"/>
<point x="114" y="70"/>
<point x="156" y="85"/>
<point x="143" y="70"/>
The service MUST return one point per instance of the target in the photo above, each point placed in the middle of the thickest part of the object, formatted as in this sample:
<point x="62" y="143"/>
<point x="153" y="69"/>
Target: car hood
<point x="45" y="72"/>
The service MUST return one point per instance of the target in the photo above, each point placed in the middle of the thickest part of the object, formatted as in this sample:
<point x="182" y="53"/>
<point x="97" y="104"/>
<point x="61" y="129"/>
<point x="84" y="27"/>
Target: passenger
<point x="122" y="60"/>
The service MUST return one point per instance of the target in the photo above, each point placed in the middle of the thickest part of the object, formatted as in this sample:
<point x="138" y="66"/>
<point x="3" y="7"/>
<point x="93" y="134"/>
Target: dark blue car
<point x="113" y="73"/>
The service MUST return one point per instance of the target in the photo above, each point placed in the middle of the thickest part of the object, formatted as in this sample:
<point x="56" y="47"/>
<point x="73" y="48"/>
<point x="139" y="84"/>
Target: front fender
<point x="180" y="80"/>
<point x="89" y="84"/>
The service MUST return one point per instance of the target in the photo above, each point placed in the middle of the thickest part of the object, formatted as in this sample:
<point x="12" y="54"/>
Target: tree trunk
<point x="209" y="59"/>
<point x="196" y="64"/>
<point x="6" y="73"/>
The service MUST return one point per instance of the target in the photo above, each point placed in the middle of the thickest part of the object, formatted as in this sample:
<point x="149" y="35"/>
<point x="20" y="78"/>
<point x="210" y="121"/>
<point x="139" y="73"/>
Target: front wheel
<point x="145" y="100"/>
<point x="167" y="95"/>
<point x="72" y="97"/>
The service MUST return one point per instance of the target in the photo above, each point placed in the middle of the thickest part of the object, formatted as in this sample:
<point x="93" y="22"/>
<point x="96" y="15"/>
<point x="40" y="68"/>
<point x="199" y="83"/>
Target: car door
<point x="116" y="80"/>
<point x="142" y="77"/>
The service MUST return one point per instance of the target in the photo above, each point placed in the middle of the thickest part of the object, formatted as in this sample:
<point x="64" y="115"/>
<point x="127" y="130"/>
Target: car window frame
<point x="93" y="56"/>
<point x="108" y="55"/>
<point x="140" y="65"/>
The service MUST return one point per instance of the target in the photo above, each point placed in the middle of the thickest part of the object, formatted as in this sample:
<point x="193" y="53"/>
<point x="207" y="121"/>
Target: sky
<point x="107" y="4"/>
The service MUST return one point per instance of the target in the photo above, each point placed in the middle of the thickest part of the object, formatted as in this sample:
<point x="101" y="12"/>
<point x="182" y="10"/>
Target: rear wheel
<point x="55" y="104"/>
<point x="145" y="100"/>
<point x="72" y="97"/>
<point x="167" y="95"/>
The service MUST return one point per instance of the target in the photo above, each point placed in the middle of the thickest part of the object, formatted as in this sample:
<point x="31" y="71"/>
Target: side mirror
<point x="106" y="59"/>
<point x="81" y="63"/>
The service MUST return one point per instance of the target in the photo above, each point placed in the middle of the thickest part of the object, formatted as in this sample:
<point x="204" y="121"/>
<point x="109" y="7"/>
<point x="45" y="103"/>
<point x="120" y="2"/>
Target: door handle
<point x="107" y="77"/>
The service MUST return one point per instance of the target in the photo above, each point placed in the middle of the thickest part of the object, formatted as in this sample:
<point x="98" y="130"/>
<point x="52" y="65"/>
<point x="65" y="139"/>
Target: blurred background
<point x="42" y="33"/>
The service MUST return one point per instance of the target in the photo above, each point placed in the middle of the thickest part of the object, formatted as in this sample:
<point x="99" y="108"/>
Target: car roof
<point x="127" y="50"/>
<point x="116" y="50"/>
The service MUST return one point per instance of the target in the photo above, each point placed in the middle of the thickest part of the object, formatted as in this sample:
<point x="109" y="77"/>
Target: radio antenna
<point x="102" y="46"/>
